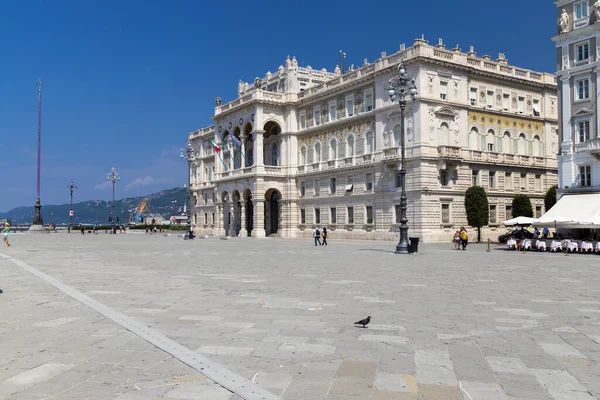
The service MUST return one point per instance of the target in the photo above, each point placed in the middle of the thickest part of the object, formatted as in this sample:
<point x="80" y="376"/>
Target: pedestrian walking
<point x="324" y="236"/>
<point x="456" y="240"/>
<point x="464" y="238"/>
<point x="317" y="236"/>
<point x="5" y="234"/>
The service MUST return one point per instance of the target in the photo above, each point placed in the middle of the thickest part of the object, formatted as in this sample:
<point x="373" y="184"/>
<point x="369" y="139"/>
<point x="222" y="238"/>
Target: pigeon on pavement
<point x="364" y="322"/>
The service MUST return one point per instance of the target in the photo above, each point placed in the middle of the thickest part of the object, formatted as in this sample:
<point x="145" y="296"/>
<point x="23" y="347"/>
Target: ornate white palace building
<point x="321" y="148"/>
<point x="578" y="65"/>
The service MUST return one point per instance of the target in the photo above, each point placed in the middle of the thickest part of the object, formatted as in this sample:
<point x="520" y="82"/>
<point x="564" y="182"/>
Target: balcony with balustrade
<point x="450" y="152"/>
<point x="591" y="146"/>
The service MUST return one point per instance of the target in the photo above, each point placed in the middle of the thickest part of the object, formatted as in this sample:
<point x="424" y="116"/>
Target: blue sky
<point x="125" y="81"/>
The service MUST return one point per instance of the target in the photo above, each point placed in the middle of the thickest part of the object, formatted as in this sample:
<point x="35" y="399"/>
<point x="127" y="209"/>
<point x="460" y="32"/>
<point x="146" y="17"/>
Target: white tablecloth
<point x="540" y="244"/>
<point x="511" y="243"/>
<point x="586" y="246"/>
<point x="527" y="244"/>
<point x="573" y="246"/>
<point x="598" y="246"/>
<point x="555" y="246"/>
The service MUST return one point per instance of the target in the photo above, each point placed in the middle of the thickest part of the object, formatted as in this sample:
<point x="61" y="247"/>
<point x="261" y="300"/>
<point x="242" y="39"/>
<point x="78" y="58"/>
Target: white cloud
<point x="148" y="180"/>
<point x="103" y="185"/>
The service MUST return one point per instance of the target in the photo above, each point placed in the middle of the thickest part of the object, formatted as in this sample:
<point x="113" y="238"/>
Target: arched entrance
<point x="249" y="209"/>
<point x="272" y="212"/>
<point x="236" y="224"/>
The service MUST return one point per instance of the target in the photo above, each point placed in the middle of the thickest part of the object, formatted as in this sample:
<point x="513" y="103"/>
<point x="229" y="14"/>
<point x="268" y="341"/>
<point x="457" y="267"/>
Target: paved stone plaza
<point x="446" y="324"/>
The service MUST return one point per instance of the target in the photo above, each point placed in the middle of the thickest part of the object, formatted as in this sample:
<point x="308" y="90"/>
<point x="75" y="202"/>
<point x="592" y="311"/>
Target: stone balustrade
<point x="392" y="153"/>
<point x="450" y="152"/>
<point x="590" y="146"/>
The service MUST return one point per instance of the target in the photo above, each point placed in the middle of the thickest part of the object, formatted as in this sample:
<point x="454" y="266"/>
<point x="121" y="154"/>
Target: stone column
<point x="259" y="161"/>
<point x="231" y="217"/>
<point x="259" y="214"/>
<point x="595" y="128"/>
<point x="243" y="231"/>
<point x="567" y="177"/>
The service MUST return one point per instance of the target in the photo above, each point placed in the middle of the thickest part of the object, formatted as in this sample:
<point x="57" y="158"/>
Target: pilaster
<point x="259" y="160"/>
<point x="219" y="221"/>
<point x="259" y="218"/>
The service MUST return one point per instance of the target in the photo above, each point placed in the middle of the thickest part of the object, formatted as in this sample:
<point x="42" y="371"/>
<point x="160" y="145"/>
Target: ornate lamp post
<point x="190" y="156"/>
<point x="71" y="188"/>
<point x="399" y="87"/>
<point x="113" y="177"/>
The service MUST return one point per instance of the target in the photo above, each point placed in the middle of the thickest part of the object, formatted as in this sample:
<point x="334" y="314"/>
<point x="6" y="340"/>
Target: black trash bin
<point x="413" y="246"/>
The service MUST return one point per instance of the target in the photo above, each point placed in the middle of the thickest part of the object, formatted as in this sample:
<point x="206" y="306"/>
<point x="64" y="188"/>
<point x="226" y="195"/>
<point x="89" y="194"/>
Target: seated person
<point x="536" y="233"/>
<point x="546" y="233"/>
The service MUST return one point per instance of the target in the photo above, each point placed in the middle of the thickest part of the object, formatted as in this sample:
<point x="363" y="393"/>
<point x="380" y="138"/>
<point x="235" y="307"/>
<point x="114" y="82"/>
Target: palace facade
<point x="321" y="148"/>
<point x="578" y="66"/>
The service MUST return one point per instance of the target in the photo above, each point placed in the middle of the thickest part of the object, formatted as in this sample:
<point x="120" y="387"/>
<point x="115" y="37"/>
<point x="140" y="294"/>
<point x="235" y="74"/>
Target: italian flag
<point x="217" y="148"/>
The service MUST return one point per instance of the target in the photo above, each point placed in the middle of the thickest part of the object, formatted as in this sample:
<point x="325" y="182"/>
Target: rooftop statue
<point x="563" y="21"/>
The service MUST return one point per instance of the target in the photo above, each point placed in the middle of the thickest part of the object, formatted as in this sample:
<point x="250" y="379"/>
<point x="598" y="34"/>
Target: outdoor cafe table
<point x="541" y="245"/>
<point x="587" y="246"/>
<point x="555" y="245"/>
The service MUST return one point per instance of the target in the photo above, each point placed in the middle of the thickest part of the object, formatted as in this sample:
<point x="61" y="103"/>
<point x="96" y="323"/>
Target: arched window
<point x="536" y="146"/>
<point x="521" y="144"/>
<point x="506" y="142"/>
<point x="333" y="149"/>
<point x="397" y="135"/>
<point x="274" y="155"/>
<point x="473" y="137"/>
<point x="250" y="157"/>
<point x="350" y="147"/>
<point x="317" y="157"/>
<point x="206" y="176"/>
<point x="370" y="142"/>
<point x="490" y="140"/>
<point x="303" y="156"/>
<point x="444" y="138"/>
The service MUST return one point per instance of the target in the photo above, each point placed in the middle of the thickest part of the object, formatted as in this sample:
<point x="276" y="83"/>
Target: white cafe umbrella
<point x="518" y="221"/>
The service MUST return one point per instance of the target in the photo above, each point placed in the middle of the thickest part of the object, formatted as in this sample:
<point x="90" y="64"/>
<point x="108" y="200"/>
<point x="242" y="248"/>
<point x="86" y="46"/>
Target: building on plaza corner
<point x="321" y="148"/>
<point x="578" y="65"/>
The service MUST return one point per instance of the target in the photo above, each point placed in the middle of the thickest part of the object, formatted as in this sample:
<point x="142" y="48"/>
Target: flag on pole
<point x="217" y="148"/>
<point x="238" y="143"/>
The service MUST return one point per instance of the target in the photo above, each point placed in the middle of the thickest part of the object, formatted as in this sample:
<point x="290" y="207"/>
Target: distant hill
<point x="165" y="203"/>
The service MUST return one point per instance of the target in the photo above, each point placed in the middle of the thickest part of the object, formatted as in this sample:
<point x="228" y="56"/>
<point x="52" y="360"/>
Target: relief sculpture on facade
<point x="409" y="125"/>
<point x="597" y="10"/>
<point x="456" y="128"/>
<point x="431" y="123"/>
<point x="386" y="138"/>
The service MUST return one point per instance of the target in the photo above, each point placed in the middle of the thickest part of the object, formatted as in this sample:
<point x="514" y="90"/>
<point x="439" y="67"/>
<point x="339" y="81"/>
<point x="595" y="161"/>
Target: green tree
<point x="477" y="208"/>
<point x="521" y="206"/>
<point x="550" y="199"/>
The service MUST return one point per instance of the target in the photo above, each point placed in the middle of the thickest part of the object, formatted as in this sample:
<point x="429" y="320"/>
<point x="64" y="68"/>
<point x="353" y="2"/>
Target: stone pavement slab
<point x="446" y="324"/>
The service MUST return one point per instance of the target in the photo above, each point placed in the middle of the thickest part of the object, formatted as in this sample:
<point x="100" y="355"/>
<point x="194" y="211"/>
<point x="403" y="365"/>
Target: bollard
<point x="489" y="249"/>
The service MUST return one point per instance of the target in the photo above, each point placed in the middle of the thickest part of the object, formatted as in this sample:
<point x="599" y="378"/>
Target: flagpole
<point x="226" y="148"/>
<point x="217" y="150"/>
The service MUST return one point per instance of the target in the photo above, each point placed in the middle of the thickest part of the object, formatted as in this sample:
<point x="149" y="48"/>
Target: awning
<point x="349" y="187"/>
<point x="572" y="211"/>
<point x="518" y="221"/>
<point x="536" y="109"/>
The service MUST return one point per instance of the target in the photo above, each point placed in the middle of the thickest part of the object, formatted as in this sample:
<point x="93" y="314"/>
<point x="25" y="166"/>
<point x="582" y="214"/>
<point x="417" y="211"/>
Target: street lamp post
<point x="113" y="177"/>
<point x="190" y="156"/>
<point x="399" y="87"/>
<point x="71" y="188"/>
